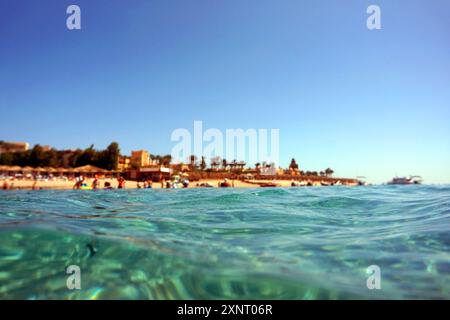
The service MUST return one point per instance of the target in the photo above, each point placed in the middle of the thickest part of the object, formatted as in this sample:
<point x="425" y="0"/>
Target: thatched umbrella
<point x="89" y="169"/>
<point x="15" y="168"/>
<point x="27" y="169"/>
<point x="50" y="169"/>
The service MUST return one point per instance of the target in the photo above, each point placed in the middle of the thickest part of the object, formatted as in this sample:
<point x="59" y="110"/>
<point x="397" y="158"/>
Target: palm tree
<point x="203" y="164"/>
<point x="193" y="161"/>
<point x="293" y="165"/>
<point x="329" y="172"/>
<point x="224" y="164"/>
<point x="215" y="162"/>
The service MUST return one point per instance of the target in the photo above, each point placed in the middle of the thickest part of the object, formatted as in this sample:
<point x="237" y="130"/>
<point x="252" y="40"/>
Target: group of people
<point x="146" y="184"/>
<point x="81" y="183"/>
<point x="301" y="183"/>
<point x="175" y="184"/>
<point x="11" y="186"/>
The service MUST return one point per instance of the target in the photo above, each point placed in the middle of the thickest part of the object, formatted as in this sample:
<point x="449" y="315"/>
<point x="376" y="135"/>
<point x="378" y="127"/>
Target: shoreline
<point x="130" y="184"/>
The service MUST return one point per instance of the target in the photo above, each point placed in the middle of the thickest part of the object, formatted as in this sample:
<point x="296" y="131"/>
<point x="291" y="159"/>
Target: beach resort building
<point x="124" y="163"/>
<point x="269" y="170"/>
<point x="140" y="166"/>
<point x="140" y="159"/>
<point x="155" y="173"/>
<point x="6" y="146"/>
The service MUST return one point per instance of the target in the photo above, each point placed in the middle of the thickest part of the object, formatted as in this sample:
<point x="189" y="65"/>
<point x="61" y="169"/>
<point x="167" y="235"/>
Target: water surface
<point x="281" y="243"/>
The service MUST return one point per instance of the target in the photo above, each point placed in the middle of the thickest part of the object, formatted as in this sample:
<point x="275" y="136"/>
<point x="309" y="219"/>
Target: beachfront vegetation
<point x="108" y="159"/>
<point x="164" y="160"/>
<point x="39" y="156"/>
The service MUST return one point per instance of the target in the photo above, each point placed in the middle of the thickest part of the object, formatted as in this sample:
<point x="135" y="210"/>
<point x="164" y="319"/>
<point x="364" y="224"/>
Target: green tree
<point x="73" y="160"/>
<point x="166" y="160"/>
<point x="6" y="159"/>
<point x="37" y="157"/>
<point x="112" y="155"/>
<point x="224" y="164"/>
<point x="51" y="158"/>
<point x="193" y="162"/>
<point x="86" y="157"/>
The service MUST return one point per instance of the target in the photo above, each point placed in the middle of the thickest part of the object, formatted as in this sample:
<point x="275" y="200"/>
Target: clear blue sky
<point x="373" y="103"/>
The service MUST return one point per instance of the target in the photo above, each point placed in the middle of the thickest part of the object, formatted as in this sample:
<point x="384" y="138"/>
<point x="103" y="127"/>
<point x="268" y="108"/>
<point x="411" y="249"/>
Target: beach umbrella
<point x="15" y="168"/>
<point x="89" y="169"/>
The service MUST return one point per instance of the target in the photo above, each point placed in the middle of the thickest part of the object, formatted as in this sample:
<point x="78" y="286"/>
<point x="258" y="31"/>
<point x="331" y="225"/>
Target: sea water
<point x="265" y="243"/>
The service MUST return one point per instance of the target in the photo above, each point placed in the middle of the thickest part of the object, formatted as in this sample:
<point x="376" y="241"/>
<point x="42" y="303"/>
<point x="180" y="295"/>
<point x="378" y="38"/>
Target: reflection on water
<point x="295" y="243"/>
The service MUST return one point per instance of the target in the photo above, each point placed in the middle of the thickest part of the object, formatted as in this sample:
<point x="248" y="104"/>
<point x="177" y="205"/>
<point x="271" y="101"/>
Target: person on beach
<point x="225" y="183"/>
<point x="78" y="183"/>
<point x="95" y="183"/>
<point x="121" y="183"/>
<point x="149" y="184"/>
<point x="5" y="185"/>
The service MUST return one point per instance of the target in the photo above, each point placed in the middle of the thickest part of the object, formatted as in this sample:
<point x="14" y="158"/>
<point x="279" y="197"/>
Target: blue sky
<point x="372" y="103"/>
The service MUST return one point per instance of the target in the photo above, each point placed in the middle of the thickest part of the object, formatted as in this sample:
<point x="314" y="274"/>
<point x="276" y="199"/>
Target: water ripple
<point x="293" y="243"/>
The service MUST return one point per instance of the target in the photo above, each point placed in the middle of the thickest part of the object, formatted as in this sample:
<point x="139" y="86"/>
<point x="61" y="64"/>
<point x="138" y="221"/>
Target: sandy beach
<point x="65" y="185"/>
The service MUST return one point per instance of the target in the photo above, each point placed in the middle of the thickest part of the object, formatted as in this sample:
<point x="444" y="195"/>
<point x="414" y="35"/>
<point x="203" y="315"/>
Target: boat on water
<point x="406" y="180"/>
<point x="268" y="185"/>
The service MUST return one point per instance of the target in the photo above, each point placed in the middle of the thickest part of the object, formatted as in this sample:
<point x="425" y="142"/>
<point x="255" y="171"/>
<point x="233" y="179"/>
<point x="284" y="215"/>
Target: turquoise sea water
<point x="282" y="243"/>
